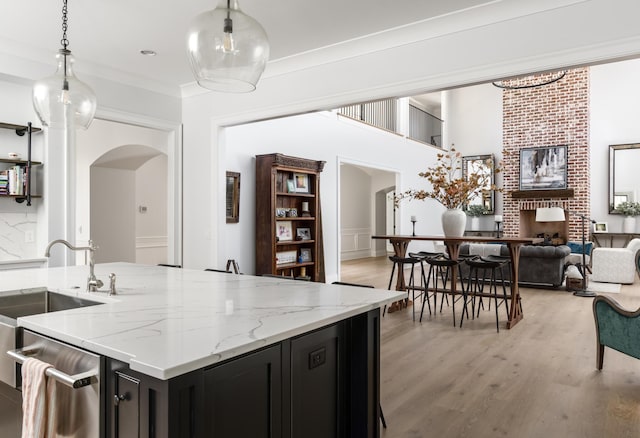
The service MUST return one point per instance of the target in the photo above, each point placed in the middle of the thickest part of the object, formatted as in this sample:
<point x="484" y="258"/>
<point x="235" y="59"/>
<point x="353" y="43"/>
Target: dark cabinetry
<point x="322" y="384"/>
<point x="317" y="384"/>
<point x="126" y="400"/>
<point x="288" y="217"/>
<point x="244" y="396"/>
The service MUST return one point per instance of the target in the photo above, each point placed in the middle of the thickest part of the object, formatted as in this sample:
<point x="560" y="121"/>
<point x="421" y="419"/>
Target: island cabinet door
<point x="243" y="397"/>
<point x="318" y="384"/>
<point x="126" y="406"/>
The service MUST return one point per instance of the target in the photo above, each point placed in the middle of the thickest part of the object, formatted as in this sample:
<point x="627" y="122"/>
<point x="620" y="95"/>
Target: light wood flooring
<point x="538" y="379"/>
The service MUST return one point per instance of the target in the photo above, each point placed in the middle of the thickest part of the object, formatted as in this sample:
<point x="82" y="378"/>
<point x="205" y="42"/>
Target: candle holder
<point x="413" y="222"/>
<point x="498" y="229"/>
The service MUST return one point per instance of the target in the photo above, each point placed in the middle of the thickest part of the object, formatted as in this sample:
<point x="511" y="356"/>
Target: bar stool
<point x="400" y="262"/>
<point x="440" y="266"/>
<point x="475" y="285"/>
<point x="422" y="256"/>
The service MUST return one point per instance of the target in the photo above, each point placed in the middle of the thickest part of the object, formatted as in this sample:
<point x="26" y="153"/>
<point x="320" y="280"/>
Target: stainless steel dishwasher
<point x="78" y="374"/>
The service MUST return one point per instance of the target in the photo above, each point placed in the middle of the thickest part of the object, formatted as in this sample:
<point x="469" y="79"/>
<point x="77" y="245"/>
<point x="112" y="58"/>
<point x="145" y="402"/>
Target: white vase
<point x="475" y="223"/>
<point x="629" y="224"/>
<point x="454" y="222"/>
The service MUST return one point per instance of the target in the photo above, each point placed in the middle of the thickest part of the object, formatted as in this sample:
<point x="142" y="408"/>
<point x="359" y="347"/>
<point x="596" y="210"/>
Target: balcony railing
<point x="422" y="126"/>
<point x="381" y="113"/>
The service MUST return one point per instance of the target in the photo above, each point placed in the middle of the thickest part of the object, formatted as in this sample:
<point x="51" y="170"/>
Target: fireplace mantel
<point x="537" y="194"/>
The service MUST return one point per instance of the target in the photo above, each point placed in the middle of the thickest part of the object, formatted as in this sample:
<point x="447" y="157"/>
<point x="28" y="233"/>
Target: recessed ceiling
<point x="106" y="36"/>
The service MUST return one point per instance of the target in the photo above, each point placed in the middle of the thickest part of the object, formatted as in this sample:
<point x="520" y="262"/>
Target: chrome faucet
<point x="93" y="284"/>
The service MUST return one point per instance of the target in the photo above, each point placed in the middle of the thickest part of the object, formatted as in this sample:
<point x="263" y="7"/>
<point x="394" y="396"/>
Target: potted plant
<point x="474" y="211"/>
<point x="630" y="210"/>
<point x="451" y="189"/>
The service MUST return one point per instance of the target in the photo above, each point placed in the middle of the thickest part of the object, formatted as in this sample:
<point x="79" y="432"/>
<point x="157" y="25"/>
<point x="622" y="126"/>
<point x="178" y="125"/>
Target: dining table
<point x="400" y="244"/>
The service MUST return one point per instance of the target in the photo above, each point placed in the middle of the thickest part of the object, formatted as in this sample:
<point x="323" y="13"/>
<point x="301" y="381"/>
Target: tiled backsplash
<point x="18" y="236"/>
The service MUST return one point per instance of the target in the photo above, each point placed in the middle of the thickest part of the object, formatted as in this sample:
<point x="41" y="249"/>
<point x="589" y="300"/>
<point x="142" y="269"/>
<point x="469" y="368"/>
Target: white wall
<point x="473" y="123"/>
<point x="356" y="207"/>
<point x="614" y="114"/>
<point x="45" y="220"/>
<point x="101" y="138"/>
<point x="381" y="218"/>
<point x="475" y="46"/>
<point x="19" y="230"/>
<point x="151" y="225"/>
<point x="113" y="218"/>
<point x="320" y="136"/>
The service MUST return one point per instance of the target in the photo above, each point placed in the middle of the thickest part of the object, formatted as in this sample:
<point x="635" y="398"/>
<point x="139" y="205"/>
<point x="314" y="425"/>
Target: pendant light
<point x="227" y="49"/>
<point x="61" y="100"/>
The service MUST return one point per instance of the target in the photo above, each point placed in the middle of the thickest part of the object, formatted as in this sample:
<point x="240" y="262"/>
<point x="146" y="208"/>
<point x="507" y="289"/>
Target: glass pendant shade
<point x="227" y="49"/>
<point x="62" y="98"/>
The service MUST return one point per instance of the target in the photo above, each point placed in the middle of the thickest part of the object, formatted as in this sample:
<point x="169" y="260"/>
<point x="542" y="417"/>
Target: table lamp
<point x="549" y="214"/>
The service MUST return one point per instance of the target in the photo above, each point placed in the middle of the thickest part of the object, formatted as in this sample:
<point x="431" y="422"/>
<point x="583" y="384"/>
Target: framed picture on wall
<point x="543" y="168"/>
<point x="600" y="227"/>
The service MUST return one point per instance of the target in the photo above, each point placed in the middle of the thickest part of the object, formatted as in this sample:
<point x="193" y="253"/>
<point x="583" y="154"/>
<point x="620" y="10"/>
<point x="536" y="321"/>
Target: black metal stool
<point x="400" y="262"/>
<point x="475" y="285"/>
<point x="440" y="266"/>
<point x="422" y="256"/>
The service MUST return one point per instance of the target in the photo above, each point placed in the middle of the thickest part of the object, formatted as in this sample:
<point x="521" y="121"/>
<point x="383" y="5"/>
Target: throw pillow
<point x="576" y="247"/>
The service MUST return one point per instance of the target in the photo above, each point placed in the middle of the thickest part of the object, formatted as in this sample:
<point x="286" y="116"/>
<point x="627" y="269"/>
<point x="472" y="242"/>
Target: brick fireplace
<point x="551" y="115"/>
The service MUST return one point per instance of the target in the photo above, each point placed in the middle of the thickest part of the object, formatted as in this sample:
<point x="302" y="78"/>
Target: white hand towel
<point x="38" y="400"/>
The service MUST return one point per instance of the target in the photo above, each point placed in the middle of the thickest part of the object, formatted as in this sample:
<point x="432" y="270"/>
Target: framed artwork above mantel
<point x="543" y="168"/>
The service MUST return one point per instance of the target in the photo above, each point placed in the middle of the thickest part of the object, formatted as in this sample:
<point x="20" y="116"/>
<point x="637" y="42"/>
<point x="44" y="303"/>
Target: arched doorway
<point x="128" y="192"/>
<point x="128" y="207"/>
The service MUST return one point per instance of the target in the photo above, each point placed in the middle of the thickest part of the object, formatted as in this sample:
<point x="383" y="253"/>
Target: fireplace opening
<point x="554" y="233"/>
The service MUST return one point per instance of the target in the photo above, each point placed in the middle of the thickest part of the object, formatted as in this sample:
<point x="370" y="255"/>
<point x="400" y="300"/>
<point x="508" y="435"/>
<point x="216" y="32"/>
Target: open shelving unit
<point x="23" y="165"/>
<point x="288" y="224"/>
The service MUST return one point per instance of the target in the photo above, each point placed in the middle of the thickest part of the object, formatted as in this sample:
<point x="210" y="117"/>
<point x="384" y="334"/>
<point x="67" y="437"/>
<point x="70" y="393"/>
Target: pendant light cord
<point x="64" y="41"/>
<point x="228" y="23"/>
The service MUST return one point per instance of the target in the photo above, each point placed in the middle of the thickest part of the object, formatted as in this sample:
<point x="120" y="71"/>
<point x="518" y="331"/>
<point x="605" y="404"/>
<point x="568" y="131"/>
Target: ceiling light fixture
<point x="227" y="49"/>
<point x="62" y="98"/>
<point x="515" y="86"/>
<point x="148" y="52"/>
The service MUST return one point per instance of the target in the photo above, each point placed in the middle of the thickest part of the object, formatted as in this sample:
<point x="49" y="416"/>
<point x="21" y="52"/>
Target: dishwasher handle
<point x="75" y="381"/>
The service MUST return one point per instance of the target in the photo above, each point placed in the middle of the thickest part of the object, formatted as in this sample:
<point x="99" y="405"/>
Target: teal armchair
<point x="616" y="328"/>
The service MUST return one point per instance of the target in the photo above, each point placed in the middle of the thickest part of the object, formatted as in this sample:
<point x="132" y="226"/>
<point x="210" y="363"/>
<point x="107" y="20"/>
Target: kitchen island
<point x="198" y="353"/>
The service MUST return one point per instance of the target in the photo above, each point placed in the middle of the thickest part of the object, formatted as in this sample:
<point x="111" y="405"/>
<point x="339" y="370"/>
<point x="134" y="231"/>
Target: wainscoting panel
<point x="356" y="243"/>
<point x="151" y="250"/>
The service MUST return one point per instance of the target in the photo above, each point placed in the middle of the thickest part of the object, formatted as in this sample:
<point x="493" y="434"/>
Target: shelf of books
<point x="17" y="176"/>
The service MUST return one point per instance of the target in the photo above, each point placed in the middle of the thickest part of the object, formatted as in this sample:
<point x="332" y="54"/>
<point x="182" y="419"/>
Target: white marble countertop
<point x="165" y="322"/>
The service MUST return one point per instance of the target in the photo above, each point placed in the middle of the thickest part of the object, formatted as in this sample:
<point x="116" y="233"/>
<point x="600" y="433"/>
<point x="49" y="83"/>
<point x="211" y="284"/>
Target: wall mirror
<point x="481" y="164"/>
<point x="233" y="197"/>
<point x="623" y="182"/>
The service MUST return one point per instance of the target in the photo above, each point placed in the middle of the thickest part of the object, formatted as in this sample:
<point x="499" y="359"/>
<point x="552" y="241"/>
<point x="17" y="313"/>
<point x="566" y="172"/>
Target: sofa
<point x="539" y="265"/>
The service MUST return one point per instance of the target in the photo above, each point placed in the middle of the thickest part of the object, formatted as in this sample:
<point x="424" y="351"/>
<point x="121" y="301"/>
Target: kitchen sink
<point x="25" y="304"/>
<point x="14" y="306"/>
